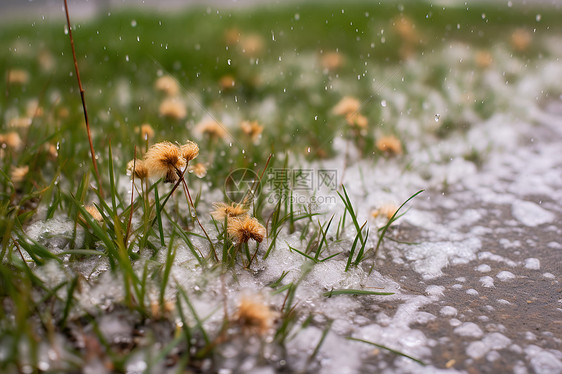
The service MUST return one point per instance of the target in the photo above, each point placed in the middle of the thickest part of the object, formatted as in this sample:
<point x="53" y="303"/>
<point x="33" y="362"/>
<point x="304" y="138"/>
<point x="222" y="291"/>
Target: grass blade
<point x="388" y="349"/>
<point x="350" y="291"/>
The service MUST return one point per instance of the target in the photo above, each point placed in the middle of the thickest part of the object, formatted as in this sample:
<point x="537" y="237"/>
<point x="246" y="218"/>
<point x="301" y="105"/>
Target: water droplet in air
<point x="133" y="23"/>
<point x="538" y="17"/>
<point x="228" y="61"/>
<point x="383" y="103"/>
<point x="127" y="58"/>
<point x="437" y="116"/>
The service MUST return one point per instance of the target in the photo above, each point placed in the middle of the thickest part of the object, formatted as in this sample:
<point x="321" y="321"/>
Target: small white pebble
<point x="502" y="301"/>
<point x="457" y="286"/>
<point x="549" y="275"/>
<point x="472" y="291"/>
<point x="505" y="275"/>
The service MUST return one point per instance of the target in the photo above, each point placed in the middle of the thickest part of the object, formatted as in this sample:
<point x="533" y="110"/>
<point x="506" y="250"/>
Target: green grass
<point x="144" y="224"/>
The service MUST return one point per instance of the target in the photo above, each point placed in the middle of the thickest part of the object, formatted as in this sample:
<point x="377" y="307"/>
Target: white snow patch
<point x="469" y="329"/>
<point x="434" y="290"/>
<point x="542" y="361"/>
<point x="448" y="311"/>
<point x="532" y="263"/>
<point x="487" y="281"/>
<point x="494" y="257"/>
<point x="505" y="276"/>
<point x="493" y="341"/>
<point x="430" y="258"/>
<point x="531" y="214"/>
<point x="455" y="322"/>
<point x="483" y="268"/>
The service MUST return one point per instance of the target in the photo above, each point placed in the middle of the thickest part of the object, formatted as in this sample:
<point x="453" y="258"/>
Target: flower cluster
<point x="254" y="316"/>
<point x="349" y="107"/>
<point x="164" y="160"/>
<point x="240" y="226"/>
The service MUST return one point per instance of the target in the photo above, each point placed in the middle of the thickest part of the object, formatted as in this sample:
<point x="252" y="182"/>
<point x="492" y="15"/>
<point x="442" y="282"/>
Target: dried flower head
<point x="173" y="107"/>
<point x="386" y="210"/>
<point x="331" y="61"/>
<point x="18" y="174"/>
<point x="252" y="128"/>
<point x="46" y="61"/>
<point x="244" y="228"/>
<point x="63" y="112"/>
<point x="32" y="109"/>
<point x="232" y="36"/>
<point x="483" y="59"/>
<point x="189" y="150"/>
<point x="521" y="39"/>
<point x="20" y="122"/>
<point x="211" y="128"/>
<point x="389" y="144"/>
<point x="252" y="44"/>
<point x="199" y="169"/>
<point x="158" y="311"/>
<point x="164" y="160"/>
<point x="138" y="168"/>
<point x="406" y="29"/>
<point x="227" y="82"/>
<point x="254" y="316"/>
<point x="18" y="76"/>
<point x="168" y="85"/>
<point x="94" y="212"/>
<point x="146" y="131"/>
<point x="233" y="210"/>
<point x="52" y="151"/>
<point x="11" y="140"/>
<point x="347" y="105"/>
<point x="357" y="120"/>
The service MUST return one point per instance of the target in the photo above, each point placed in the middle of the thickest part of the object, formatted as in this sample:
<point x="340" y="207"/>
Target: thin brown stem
<point x="186" y="190"/>
<point x="92" y="152"/>
<point x="132" y="199"/>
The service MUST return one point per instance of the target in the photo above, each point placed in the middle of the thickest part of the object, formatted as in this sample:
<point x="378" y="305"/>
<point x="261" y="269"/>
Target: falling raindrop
<point x="133" y="23"/>
<point x="383" y="103"/>
<point x="228" y="61"/>
<point x="538" y="17"/>
<point x="437" y="116"/>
